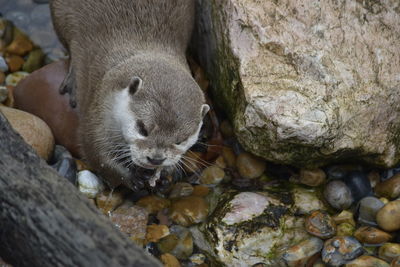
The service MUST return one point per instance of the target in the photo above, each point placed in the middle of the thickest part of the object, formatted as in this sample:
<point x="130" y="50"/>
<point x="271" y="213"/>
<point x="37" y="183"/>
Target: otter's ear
<point x="135" y="85"/>
<point x="204" y="109"/>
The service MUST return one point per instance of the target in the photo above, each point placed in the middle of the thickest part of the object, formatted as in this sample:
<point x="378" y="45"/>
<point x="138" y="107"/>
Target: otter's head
<point x="159" y="116"/>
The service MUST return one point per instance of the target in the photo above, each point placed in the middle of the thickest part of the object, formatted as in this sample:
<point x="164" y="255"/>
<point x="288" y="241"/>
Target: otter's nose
<point x="156" y="161"/>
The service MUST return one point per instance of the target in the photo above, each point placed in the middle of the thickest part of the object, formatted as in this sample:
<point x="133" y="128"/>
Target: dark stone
<point x="341" y="171"/>
<point x="386" y="174"/>
<point x="359" y="184"/>
<point x="66" y="167"/>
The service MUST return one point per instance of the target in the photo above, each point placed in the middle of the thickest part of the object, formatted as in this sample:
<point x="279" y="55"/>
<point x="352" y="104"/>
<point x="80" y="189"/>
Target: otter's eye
<point x="178" y="143"/>
<point x="142" y="129"/>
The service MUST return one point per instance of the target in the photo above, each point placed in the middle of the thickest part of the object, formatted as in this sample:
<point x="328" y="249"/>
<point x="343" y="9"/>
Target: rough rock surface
<point x="306" y="84"/>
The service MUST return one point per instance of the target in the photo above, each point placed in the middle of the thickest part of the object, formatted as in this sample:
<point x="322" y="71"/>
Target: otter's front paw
<point x="68" y="87"/>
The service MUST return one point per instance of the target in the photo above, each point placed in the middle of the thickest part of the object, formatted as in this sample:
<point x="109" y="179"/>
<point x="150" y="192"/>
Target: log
<point x="45" y="221"/>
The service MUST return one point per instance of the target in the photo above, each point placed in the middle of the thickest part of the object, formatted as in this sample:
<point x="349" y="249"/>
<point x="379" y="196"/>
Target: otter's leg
<point x="68" y="86"/>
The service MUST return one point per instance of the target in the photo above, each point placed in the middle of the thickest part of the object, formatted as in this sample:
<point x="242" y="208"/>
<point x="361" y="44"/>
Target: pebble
<point x="3" y="93"/>
<point x="229" y="156"/>
<point x="89" y="184"/>
<point x="43" y="38"/>
<point x="34" y="61"/>
<point x="359" y="184"/>
<point x="395" y="262"/>
<point x="132" y="220"/>
<point x="153" y="204"/>
<point x="220" y="162"/>
<point x="200" y="191"/>
<point x="367" y="261"/>
<point x="21" y="45"/>
<point x="312" y="177"/>
<point x="20" y="19"/>
<point x="155" y="232"/>
<point x="371" y="235"/>
<point x="368" y="207"/>
<point x="189" y="210"/>
<point x="66" y="167"/>
<point x="250" y="166"/>
<point x="388" y="173"/>
<point x="389" y="188"/>
<point x="197" y="258"/>
<point x="38" y="93"/>
<point x="299" y="254"/>
<point x="345" y="229"/>
<point x="389" y="251"/>
<point x="33" y="130"/>
<point x="108" y="201"/>
<point x="3" y="65"/>
<point x="226" y="129"/>
<point x="344" y="216"/>
<point x="388" y="217"/>
<point x="341" y="171"/>
<point x="40" y="15"/>
<point x="212" y="175"/>
<point x="14" y="62"/>
<point x="338" y="195"/>
<point x="14" y="78"/>
<point x="320" y="224"/>
<point x="341" y="249"/>
<point x="169" y="260"/>
<point x="181" y="190"/>
<point x="374" y="178"/>
<point x="179" y="243"/>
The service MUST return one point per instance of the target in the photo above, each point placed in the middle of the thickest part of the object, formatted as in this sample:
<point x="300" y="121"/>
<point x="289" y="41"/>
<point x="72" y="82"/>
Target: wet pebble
<point x="169" y="260"/>
<point x="338" y="195"/>
<point x="3" y="65"/>
<point x="197" y="258"/>
<point x="66" y="167"/>
<point x="312" y="177"/>
<point x="21" y="45"/>
<point x="107" y="201"/>
<point x="189" y="210"/>
<point x="212" y="175"/>
<point x="320" y="224"/>
<point x="200" y="191"/>
<point x="14" y="78"/>
<point x="250" y="166"/>
<point x="34" y="61"/>
<point x="388" y="217"/>
<point x="181" y="190"/>
<point x="33" y="130"/>
<point x="345" y="229"/>
<point x="132" y="220"/>
<point x="340" y="250"/>
<point x="359" y="184"/>
<point x="229" y="156"/>
<point x="390" y="188"/>
<point x="344" y="216"/>
<point x="367" y="261"/>
<point x="371" y="235"/>
<point x="153" y="203"/>
<point x="3" y="93"/>
<point x="389" y="251"/>
<point x="155" y="232"/>
<point x="341" y="171"/>
<point x="14" y="62"/>
<point x="368" y="207"/>
<point x="299" y="254"/>
<point x="89" y="184"/>
<point x="179" y="243"/>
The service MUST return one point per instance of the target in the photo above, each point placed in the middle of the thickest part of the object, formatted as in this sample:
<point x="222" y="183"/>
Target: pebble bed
<point x="359" y="227"/>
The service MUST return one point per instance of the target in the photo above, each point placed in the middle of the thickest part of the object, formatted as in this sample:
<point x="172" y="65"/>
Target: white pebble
<point x="14" y="78"/>
<point x="89" y="184"/>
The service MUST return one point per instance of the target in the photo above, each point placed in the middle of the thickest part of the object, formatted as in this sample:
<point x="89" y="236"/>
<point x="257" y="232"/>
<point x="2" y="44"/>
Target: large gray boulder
<point x="306" y="82"/>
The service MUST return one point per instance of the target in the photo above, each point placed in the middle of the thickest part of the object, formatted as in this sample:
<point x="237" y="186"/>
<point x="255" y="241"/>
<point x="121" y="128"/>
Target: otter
<point x="129" y="79"/>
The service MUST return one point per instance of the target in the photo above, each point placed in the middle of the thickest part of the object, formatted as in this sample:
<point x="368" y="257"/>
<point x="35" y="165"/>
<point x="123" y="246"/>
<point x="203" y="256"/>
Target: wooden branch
<point x="45" y="221"/>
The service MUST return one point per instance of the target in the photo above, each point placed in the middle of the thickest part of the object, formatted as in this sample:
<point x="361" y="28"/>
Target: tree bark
<point x="45" y="221"/>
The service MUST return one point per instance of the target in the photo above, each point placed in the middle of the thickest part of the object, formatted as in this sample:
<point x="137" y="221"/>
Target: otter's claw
<point x="68" y="87"/>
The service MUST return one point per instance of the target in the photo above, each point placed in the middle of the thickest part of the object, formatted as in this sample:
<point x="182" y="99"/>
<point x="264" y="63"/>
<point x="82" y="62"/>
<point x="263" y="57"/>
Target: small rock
<point x="390" y="188"/>
<point x="40" y="14"/>
<point x="15" y="62"/>
<point x="43" y="38"/>
<point x="220" y="162"/>
<point x="89" y="184"/>
<point x="155" y="232"/>
<point x="200" y="191"/>
<point x="21" y="45"/>
<point x="345" y="229"/>
<point x="3" y="93"/>
<point x="338" y="195"/>
<point x="33" y="130"/>
<point x="371" y="235"/>
<point x="197" y="258"/>
<point x="212" y="175"/>
<point x="306" y="200"/>
<point x="226" y="129"/>
<point x="3" y="65"/>
<point x="320" y="224"/>
<point x="367" y="261"/>
<point x="374" y="178"/>
<point x="389" y="251"/>
<point x="14" y="78"/>
<point x="229" y="156"/>
<point x="384" y="200"/>
<point x="368" y="207"/>
<point x="179" y="243"/>
<point x="132" y="220"/>
<point x="169" y="260"/>
<point x="189" y="210"/>
<point x="299" y="254"/>
<point x="344" y="217"/>
<point x="153" y="204"/>
<point x="395" y="262"/>
<point x="312" y="177"/>
<point x="20" y="19"/>
<point x="359" y="184"/>
<point x="250" y="166"/>
<point x="66" y="167"/>
<point x="181" y="190"/>
<point x="107" y="201"/>
<point x="34" y="61"/>
<point x="341" y="171"/>
<point x="388" y="217"/>
<point x="341" y="249"/>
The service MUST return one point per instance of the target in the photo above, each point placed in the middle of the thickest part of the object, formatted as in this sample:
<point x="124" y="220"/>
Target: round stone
<point x="66" y="167"/>
<point x="371" y="235"/>
<point x="345" y="229"/>
<point x="131" y="220"/>
<point x="340" y="250"/>
<point x="320" y="224"/>
<point x="250" y="166"/>
<point x="388" y="217"/>
<point x="338" y="195"/>
<point x="14" y="78"/>
<point x="389" y="251"/>
<point x="312" y="177"/>
<point x="181" y="190"/>
<point x="89" y="184"/>
<point x="169" y="260"/>
<point x="389" y="188"/>
<point x="179" y="243"/>
<point x="155" y="232"/>
<point x="359" y="184"/>
<point x="299" y="254"/>
<point x="368" y="207"/>
<point x="212" y="175"/>
<point x="107" y="200"/>
<point x="153" y="204"/>
<point x="20" y="19"/>
<point x="189" y="210"/>
<point x="14" y="62"/>
<point x="367" y="261"/>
